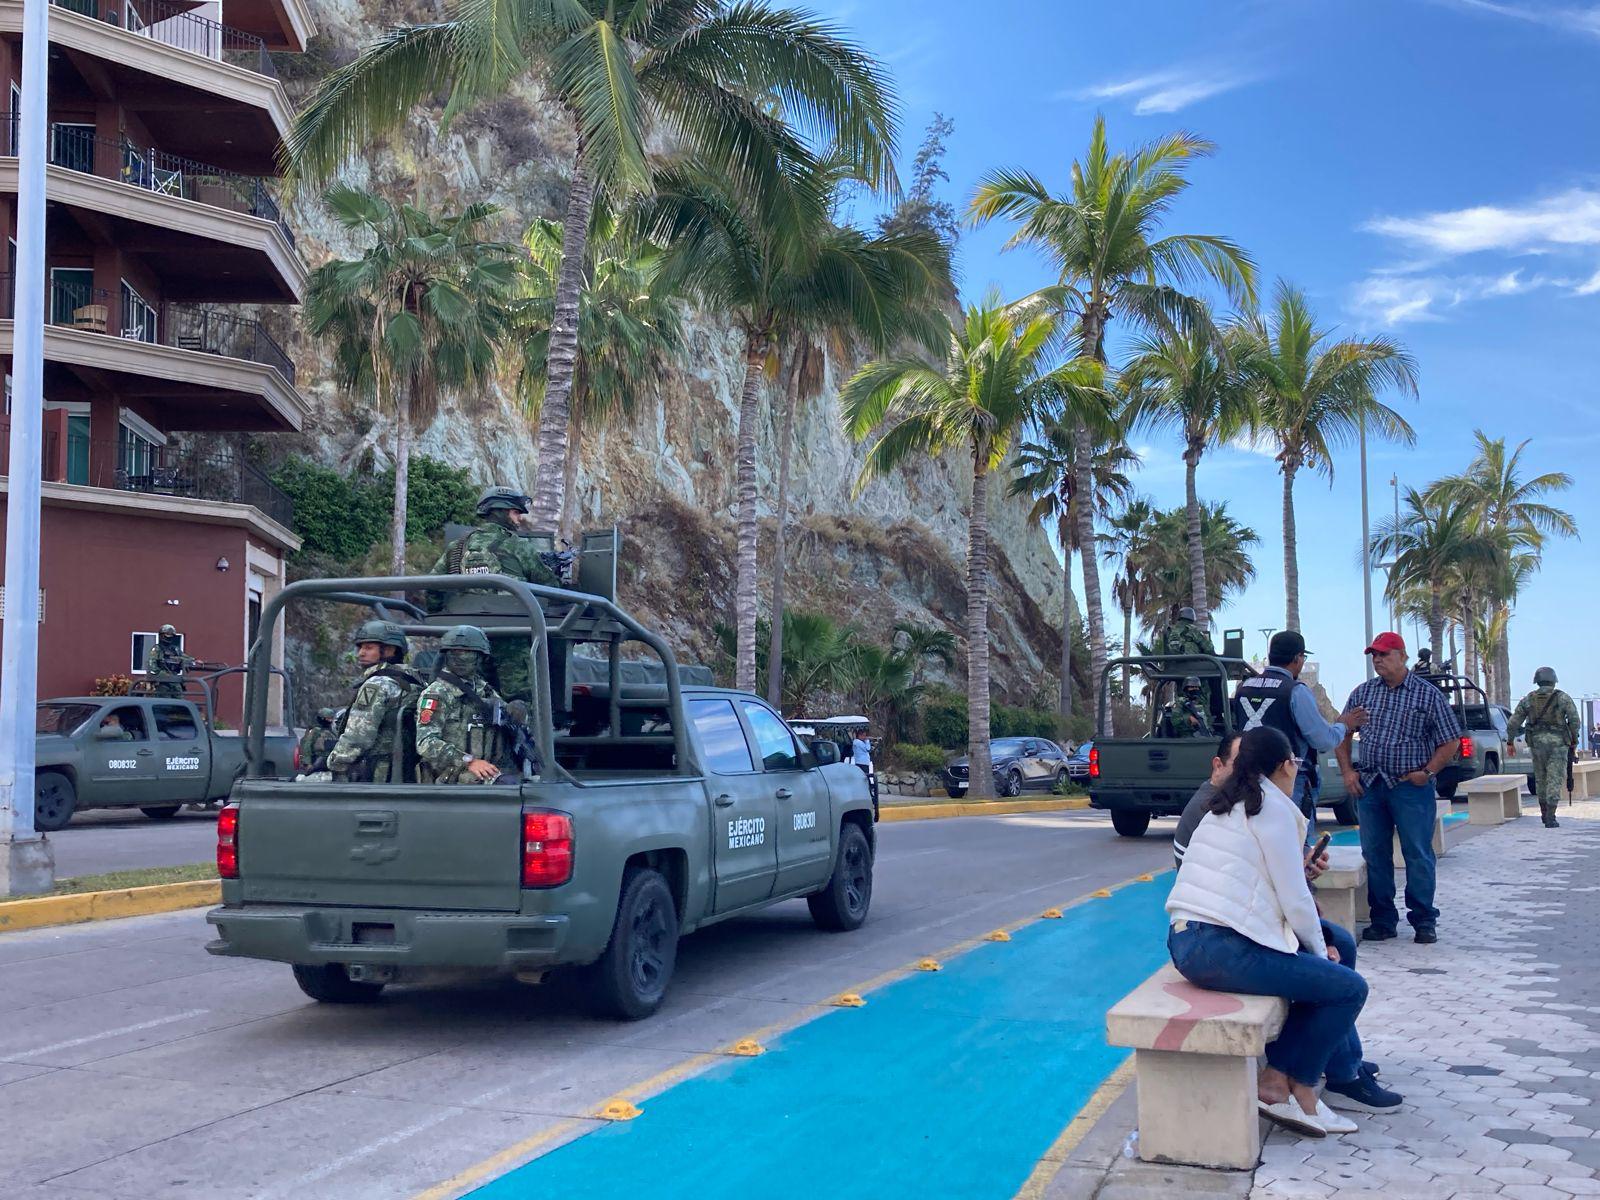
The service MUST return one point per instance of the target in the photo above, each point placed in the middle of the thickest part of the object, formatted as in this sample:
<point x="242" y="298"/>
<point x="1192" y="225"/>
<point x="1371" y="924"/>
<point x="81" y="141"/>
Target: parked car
<point x="1078" y="763"/>
<point x="1020" y="764"/>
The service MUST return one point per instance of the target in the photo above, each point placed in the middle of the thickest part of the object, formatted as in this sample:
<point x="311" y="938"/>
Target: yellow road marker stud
<point x="1146" y="878"/>
<point x="618" y="1110"/>
<point x="930" y="964"/>
<point x="1101" y="894"/>
<point x="1051" y="914"/>
<point x="748" y="1048"/>
<point x="849" y="1000"/>
<point x="999" y="935"/>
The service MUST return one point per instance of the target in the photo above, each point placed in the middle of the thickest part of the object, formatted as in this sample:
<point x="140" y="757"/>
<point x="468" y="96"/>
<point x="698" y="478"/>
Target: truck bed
<point x="1158" y="775"/>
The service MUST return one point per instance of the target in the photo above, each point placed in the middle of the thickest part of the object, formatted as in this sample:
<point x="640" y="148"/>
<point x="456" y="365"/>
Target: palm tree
<point x="1199" y="383"/>
<point x="1123" y="545"/>
<point x="735" y="84"/>
<point x="424" y="309"/>
<point x="629" y="330"/>
<point x="922" y="643"/>
<point x="1045" y="474"/>
<point x="1162" y="558"/>
<point x="1429" y="544"/>
<point x="793" y="279"/>
<point x="815" y="647"/>
<point x="1101" y="237"/>
<point x="1315" y="394"/>
<point x="877" y="682"/>
<point x="991" y="385"/>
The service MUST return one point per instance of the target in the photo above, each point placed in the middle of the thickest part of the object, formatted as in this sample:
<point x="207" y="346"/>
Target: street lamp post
<point x="1366" y="545"/>
<point x="25" y="860"/>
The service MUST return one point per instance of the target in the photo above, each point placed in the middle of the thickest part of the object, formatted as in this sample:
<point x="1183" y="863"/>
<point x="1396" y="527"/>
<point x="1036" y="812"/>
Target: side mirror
<point x="824" y="752"/>
<point x="106" y="734"/>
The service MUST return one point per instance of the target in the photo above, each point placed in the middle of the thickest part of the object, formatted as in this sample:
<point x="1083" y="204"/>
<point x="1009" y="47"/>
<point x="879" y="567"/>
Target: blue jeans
<point x="1407" y="809"/>
<point x="1344" y="1064"/>
<point x="1324" y="997"/>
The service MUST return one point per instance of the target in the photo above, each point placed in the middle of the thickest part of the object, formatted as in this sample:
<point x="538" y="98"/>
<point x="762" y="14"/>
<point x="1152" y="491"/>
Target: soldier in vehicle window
<point x="111" y="729"/>
<point x="165" y="662"/>
<point x="376" y="732"/>
<point x="461" y="737"/>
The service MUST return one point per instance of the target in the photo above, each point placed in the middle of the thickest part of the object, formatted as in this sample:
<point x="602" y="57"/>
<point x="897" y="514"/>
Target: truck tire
<point x="1130" y="822"/>
<point x="330" y="984"/>
<point x="161" y="812"/>
<point x="956" y="793"/>
<point x="843" y="902"/>
<point x="630" y="979"/>
<point x="1344" y="812"/>
<point x="1444" y="788"/>
<point x="1011" y="785"/>
<point x="54" y="801"/>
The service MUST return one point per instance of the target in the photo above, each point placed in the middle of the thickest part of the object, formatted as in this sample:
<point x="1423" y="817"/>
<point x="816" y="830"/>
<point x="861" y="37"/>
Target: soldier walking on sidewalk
<point x="1551" y="720"/>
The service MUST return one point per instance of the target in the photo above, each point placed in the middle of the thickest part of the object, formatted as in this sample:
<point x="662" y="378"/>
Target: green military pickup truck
<point x="154" y="753"/>
<point x="657" y="809"/>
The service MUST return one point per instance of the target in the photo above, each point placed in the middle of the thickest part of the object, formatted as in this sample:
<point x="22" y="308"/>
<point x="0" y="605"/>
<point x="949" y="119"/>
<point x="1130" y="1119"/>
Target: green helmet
<point x="501" y="496"/>
<point x="1186" y="613"/>
<point x="385" y="633"/>
<point x="1191" y="681"/>
<point x="1544" y="675"/>
<point x="327" y="715"/>
<point x="169" y="631"/>
<point x="465" y="637"/>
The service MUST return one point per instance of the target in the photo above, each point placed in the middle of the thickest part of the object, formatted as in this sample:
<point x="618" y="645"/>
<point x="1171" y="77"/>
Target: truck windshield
<point x="62" y="718"/>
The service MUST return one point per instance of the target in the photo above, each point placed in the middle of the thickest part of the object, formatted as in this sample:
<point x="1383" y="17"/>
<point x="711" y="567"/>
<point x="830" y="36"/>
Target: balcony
<point x="132" y="464"/>
<point x="176" y="26"/>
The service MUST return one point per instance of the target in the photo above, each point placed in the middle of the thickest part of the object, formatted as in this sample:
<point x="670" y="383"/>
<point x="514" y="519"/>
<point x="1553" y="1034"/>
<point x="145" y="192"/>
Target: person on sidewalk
<point x="1550" y="719"/>
<point x="1411" y="733"/>
<point x="1352" y="1081"/>
<point x="1242" y="920"/>
<point x="1277" y="698"/>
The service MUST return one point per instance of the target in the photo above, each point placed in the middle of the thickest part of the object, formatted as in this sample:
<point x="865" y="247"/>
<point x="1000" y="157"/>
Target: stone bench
<point x="1493" y="799"/>
<point x="1196" y="1055"/>
<point x="1586" y="779"/>
<point x="1341" y="890"/>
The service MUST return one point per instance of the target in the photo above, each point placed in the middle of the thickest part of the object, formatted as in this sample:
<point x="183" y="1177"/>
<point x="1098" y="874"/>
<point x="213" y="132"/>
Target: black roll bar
<point x="1218" y="665"/>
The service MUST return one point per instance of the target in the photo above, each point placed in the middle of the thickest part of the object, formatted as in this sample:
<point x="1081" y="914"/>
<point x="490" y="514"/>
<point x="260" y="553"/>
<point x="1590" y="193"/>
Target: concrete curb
<point x="978" y="808"/>
<point x="44" y="911"/>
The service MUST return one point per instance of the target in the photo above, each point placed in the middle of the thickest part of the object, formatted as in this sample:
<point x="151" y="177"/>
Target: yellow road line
<point x="978" y="808"/>
<point x="1077" y="1129"/>
<point x="661" y="1080"/>
<point x="42" y="911"/>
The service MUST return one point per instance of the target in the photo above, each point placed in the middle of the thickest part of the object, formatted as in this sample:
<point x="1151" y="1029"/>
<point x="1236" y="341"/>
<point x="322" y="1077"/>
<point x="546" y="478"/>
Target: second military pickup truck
<point x="154" y="753"/>
<point x="656" y="809"/>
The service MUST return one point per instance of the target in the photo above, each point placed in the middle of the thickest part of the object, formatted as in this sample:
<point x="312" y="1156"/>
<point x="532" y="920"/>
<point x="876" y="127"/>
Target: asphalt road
<point x="132" y="1064"/>
<point x="120" y="839"/>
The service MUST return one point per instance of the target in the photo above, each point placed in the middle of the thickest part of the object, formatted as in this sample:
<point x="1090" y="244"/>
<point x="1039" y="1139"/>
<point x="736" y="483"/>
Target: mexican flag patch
<point x="425" y="714"/>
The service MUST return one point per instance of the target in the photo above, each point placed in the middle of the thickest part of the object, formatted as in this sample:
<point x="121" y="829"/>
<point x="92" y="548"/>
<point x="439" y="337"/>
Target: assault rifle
<point x="519" y="739"/>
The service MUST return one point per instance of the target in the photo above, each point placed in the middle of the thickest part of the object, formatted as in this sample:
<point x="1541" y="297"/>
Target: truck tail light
<point x="297" y="758"/>
<point x="1466" y="747"/>
<point x="546" y="849"/>
<point x="1094" y="762"/>
<point x="228" y="842"/>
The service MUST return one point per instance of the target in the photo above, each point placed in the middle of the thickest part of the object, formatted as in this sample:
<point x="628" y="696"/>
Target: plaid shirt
<point x="1405" y="725"/>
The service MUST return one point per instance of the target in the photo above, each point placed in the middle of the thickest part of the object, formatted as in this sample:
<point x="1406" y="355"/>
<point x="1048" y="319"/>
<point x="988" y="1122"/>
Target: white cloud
<point x="1563" y="221"/>
<point x="1394" y="298"/>
<point x="1166" y="91"/>
<point x="1579" y="19"/>
<point x="1590" y="286"/>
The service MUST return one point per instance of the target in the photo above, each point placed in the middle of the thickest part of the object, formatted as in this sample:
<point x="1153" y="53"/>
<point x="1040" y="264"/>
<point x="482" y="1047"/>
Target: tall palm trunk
<point x="1083" y="487"/>
<point x="1197" y="550"/>
<point x="744" y="586"/>
<point x="780" y="539"/>
<point x="1291" y="554"/>
<point x="1127" y="649"/>
<point x="1065" y="700"/>
<point x="402" y="481"/>
<point x="569" y="488"/>
<point x="562" y="356"/>
<point x="1502" y="658"/>
<point x="1436" y="622"/>
<point x="1469" y="637"/>
<point x="980" y="771"/>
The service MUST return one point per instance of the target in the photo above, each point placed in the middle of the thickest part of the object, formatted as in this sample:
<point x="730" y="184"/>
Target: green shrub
<point x="944" y="718"/>
<point x="915" y="756"/>
<point x="1008" y="721"/>
<point x="343" y="517"/>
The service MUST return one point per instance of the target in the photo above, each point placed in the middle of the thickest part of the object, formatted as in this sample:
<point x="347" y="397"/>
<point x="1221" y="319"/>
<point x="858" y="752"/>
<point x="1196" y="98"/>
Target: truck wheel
<point x="160" y="812"/>
<point x="54" y="801"/>
<point x="331" y="984"/>
<point x="1344" y="812"/>
<point x="843" y="902"/>
<point x="1447" y="790"/>
<point x="1011" y="785"/>
<point x="1130" y="822"/>
<point x="630" y="979"/>
<point x="956" y="793"/>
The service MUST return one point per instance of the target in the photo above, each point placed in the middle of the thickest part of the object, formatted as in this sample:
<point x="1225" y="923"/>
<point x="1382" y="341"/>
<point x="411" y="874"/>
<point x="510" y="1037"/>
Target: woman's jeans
<point x="1324" y="997"/>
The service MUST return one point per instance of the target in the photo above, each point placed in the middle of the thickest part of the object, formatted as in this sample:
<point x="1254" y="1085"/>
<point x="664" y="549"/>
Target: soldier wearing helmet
<point x="458" y="739"/>
<point x="1188" y="715"/>
<point x="318" y="739"/>
<point x="375" y="735"/>
<point x="165" y="662"/>
<point x="1183" y="636"/>
<point x="1551" y="720"/>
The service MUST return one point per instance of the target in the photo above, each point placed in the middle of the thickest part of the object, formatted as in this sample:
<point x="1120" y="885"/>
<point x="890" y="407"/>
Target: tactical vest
<point x="1544" y="713"/>
<point x="400" y="764"/>
<point x="478" y="553"/>
<point x="1264" y="700"/>
<point x="482" y="739"/>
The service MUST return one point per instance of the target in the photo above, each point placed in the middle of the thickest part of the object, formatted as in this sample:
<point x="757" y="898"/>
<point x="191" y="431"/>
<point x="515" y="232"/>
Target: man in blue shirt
<point x="1277" y="698"/>
<point x="1411" y="735"/>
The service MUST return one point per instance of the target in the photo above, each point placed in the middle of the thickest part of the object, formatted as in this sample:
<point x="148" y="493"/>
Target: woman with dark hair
<point x="1243" y="920"/>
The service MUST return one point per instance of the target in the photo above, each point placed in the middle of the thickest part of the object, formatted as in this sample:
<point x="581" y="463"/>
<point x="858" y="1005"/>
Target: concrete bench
<point x="1196" y="1055"/>
<point x="1341" y="890"/>
<point x="1586" y="779"/>
<point x="1493" y="799"/>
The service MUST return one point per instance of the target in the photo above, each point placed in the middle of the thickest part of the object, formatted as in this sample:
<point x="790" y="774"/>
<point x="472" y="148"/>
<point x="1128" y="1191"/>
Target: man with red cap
<point x="1411" y="733"/>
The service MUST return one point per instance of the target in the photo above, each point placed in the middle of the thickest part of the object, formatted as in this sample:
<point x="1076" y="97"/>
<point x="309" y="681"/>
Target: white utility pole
<point x="26" y="865"/>
<point x="1366" y="544"/>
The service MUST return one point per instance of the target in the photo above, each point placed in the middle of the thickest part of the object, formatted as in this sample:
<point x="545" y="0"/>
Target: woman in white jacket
<point x="1243" y="920"/>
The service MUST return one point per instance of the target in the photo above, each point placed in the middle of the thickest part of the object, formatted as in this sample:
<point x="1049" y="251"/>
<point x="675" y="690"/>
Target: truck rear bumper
<point x="1157" y="802"/>
<point x="388" y="937"/>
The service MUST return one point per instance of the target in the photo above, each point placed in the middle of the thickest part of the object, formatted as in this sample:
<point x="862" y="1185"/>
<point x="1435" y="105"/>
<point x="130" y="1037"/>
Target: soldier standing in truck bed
<point x="377" y="730"/>
<point x="165" y="662"/>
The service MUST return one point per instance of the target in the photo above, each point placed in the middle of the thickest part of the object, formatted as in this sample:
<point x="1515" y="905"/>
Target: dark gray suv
<point x="1020" y="764"/>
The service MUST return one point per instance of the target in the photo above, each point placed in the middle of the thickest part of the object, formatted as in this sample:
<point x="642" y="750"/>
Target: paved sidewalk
<point x="1492" y="1035"/>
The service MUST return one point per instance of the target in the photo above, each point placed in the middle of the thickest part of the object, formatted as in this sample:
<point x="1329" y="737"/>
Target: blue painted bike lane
<point x="951" y="1083"/>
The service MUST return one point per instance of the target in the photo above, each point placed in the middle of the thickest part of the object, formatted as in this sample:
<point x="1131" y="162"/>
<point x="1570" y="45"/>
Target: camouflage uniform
<point x="1188" y="717"/>
<point x="1185" y="637"/>
<point x="375" y="720"/>
<point x="452" y="730"/>
<point x="1551" y="720"/>
<point x="316" y="741"/>
<point x="165" y="664"/>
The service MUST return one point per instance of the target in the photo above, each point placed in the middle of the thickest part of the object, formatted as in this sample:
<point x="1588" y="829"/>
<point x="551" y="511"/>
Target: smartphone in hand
<point x="1316" y="851"/>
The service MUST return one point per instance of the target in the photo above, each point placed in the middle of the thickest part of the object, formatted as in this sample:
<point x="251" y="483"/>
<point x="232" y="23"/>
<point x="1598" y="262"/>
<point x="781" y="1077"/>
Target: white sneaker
<point x="1334" y="1122"/>
<point x="1290" y="1115"/>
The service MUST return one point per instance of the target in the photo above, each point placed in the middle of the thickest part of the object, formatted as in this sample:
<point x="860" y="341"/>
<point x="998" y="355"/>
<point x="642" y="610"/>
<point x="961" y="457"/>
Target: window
<point x="131" y="718"/>
<point x="252" y="620"/>
<point x="773" y="739"/>
<point x="72" y="289"/>
<point x="62" y="718"/>
<point x="14" y="133"/>
<point x="726" y="751"/>
<point x="77" y="449"/>
<point x="175" y="723"/>
<point x="141" y="647"/>
<point x="139" y="450"/>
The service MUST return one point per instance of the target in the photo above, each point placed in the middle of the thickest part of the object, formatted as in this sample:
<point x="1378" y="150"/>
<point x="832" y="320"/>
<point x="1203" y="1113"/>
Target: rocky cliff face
<point x="895" y="551"/>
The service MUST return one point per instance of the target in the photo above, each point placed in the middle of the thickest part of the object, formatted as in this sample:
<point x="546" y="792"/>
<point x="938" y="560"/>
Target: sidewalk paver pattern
<point x="1492" y="1035"/>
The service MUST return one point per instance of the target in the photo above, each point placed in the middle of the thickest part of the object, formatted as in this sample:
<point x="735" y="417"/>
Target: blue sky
<point x="1424" y="168"/>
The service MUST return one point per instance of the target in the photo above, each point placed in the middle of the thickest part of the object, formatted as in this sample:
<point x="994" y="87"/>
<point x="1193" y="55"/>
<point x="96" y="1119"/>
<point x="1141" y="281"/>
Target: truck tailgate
<point x="319" y="847"/>
<point x="1164" y="771"/>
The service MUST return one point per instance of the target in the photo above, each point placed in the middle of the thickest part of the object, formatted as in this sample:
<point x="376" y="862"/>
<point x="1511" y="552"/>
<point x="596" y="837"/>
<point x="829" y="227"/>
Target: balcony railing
<point x="77" y="304"/>
<point x="79" y="148"/>
<point x="175" y="26"/>
<point x="132" y="464"/>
